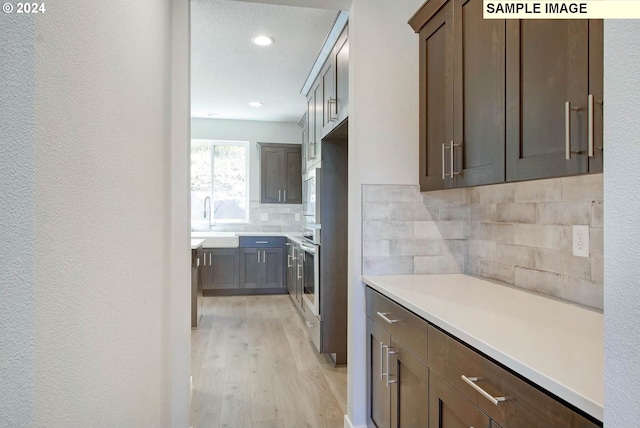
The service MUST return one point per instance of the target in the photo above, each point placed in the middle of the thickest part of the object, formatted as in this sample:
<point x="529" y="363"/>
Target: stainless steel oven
<point x="311" y="195"/>
<point x="311" y="268"/>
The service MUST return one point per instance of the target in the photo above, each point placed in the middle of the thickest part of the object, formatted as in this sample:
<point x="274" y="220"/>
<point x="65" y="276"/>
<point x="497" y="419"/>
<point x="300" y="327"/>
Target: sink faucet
<point x="207" y="199"/>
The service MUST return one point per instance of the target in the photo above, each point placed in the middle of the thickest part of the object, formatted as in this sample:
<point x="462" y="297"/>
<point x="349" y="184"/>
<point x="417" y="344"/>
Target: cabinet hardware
<point x="262" y="242"/>
<point x="285" y="196"/>
<point x="287" y="244"/>
<point x="383" y="315"/>
<point x="382" y="348"/>
<point x="332" y="101"/>
<point x="299" y="276"/>
<point x="210" y="258"/>
<point x="453" y="174"/>
<point x="444" y="174"/>
<point x="472" y="382"/>
<point x="198" y="261"/>
<point x="279" y="195"/>
<point x="264" y="256"/>
<point x="258" y="257"/>
<point x="567" y="129"/>
<point x="310" y="325"/>
<point x="389" y="381"/>
<point x="288" y="260"/>
<point x="592" y="101"/>
<point x="293" y="257"/>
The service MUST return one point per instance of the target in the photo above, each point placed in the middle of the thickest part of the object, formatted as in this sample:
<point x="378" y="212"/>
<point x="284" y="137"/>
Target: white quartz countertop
<point x="556" y="345"/>
<point x="231" y="239"/>
<point x="196" y="243"/>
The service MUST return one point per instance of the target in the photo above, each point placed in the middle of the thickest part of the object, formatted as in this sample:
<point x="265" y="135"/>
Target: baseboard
<point x="348" y="424"/>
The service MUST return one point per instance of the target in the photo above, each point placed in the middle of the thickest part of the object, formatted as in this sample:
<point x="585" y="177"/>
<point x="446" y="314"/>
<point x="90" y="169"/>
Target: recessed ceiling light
<point x="262" y="40"/>
<point x="255" y="104"/>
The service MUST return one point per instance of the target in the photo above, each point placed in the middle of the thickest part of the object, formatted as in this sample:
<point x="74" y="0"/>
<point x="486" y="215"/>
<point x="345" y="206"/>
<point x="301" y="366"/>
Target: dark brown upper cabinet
<point x="280" y="174"/>
<point x="506" y="100"/>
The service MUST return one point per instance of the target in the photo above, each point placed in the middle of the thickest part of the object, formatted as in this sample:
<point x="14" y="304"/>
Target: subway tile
<point x="583" y="292"/>
<point x="439" y="230"/>
<point x="415" y="247"/>
<point x="387" y="265"/>
<point x="546" y="283"/>
<point x="482" y="248"/>
<point x="515" y="255"/>
<point x="454" y="212"/>
<point x="562" y="262"/>
<point x="483" y="212"/>
<point x="388" y="193"/>
<point x="597" y="268"/>
<point x="376" y="248"/>
<point x="516" y="213"/>
<point x="422" y="212"/>
<point x="491" y="269"/>
<point x="564" y="213"/>
<point x="500" y="232"/>
<point x="401" y="211"/>
<point x="375" y="212"/>
<point x="444" y="197"/>
<point x="597" y="214"/>
<point x="455" y="246"/>
<point x="494" y="194"/>
<point x="542" y="236"/>
<point x="387" y="229"/>
<point x="439" y="264"/>
<point x="586" y="187"/>
<point x="539" y="190"/>
<point x="596" y="240"/>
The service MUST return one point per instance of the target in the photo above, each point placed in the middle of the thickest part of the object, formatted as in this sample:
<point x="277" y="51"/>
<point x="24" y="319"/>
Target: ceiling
<point x="228" y="71"/>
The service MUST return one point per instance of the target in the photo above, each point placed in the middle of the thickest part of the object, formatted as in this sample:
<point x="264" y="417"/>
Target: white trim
<point x="348" y="424"/>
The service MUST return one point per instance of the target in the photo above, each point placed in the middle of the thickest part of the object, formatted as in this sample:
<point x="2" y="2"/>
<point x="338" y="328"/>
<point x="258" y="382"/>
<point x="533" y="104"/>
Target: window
<point x="220" y="171"/>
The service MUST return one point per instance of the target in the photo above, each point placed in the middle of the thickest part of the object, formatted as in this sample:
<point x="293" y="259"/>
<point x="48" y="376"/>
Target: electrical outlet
<point x="581" y="241"/>
<point x="264" y="216"/>
<point x="297" y="217"/>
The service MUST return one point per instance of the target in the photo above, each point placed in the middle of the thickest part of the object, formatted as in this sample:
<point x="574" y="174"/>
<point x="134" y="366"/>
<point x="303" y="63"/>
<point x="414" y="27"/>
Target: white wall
<point x="383" y="142"/>
<point x="97" y="190"/>
<point x="622" y="233"/>
<point x="248" y="130"/>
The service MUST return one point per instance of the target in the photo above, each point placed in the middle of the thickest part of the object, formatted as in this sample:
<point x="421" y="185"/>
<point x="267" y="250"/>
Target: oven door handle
<point x="308" y="249"/>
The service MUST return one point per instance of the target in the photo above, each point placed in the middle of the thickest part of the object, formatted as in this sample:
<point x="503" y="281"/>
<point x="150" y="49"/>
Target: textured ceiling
<point x="228" y="71"/>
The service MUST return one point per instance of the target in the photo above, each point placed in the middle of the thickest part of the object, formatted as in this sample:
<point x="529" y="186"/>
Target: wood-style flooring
<point x="253" y="366"/>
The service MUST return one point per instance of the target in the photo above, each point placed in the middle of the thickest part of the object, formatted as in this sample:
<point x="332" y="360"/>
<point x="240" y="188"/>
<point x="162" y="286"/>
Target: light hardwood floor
<point x="253" y="366"/>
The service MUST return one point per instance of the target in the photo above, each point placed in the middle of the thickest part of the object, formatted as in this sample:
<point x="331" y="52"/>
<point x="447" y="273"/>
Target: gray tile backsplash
<point x="282" y="218"/>
<point x="518" y="233"/>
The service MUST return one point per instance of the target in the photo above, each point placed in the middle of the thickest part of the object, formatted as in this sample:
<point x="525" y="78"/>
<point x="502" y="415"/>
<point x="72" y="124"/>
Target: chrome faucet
<point x="205" y="209"/>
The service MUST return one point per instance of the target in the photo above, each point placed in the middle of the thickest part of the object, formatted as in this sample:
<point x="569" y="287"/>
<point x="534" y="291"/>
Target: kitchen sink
<point x="217" y="239"/>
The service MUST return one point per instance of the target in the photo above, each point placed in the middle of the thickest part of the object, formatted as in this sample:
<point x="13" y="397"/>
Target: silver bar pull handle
<point x="258" y="256"/>
<point x="567" y="129"/>
<point x="279" y="195"/>
<point x="210" y="259"/>
<point x="264" y="256"/>
<point x="285" y="196"/>
<point x="383" y="315"/>
<point x="288" y="260"/>
<point x="590" y="131"/>
<point x="262" y="242"/>
<point x="444" y="174"/>
<point x="382" y="348"/>
<point x="299" y="276"/>
<point x="451" y="148"/>
<point x="472" y="382"/>
<point x="389" y="381"/>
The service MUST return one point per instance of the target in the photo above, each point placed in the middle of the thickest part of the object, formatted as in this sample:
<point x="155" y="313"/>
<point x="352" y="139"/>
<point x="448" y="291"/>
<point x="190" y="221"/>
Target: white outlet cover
<point x="581" y="241"/>
<point x="264" y="216"/>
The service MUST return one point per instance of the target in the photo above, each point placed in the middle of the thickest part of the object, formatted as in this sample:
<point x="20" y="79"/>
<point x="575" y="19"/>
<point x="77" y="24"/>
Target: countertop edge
<point x="554" y="387"/>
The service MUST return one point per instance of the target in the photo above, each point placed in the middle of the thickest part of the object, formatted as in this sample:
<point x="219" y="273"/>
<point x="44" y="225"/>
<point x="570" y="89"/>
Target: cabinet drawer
<point x="261" y="241"/>
<point x="408" y="328"/>
<point x="524" y="405"/>
<point x="313" y="325"/>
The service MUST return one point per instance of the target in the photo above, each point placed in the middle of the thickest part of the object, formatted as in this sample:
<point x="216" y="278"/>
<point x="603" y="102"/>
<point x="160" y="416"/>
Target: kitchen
<point x="383" y="157"/>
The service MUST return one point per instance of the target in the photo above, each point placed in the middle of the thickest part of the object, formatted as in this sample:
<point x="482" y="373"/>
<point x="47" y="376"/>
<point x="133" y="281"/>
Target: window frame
<point x="212" y="144"/>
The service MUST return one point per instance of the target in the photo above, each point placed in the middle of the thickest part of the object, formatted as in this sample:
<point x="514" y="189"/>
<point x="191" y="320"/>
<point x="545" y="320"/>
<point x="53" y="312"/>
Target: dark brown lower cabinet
<point x="398" y="382"/>
<point x="261" y="267"/>
<point x="220" y="268"/>
<point x="449" y="409"/>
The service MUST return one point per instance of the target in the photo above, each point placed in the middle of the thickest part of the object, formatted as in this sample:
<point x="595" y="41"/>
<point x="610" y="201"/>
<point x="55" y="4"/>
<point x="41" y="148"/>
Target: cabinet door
<point x="223" y="268"/>
<point x="288" y="278"/>
<point x="328" y="76"/>
<point x="318" y="112"/>
<point x="206" y="271"/>
<point x="305" y="144"/>
<point x="378" y="391"/>
<point x="311" y="130"/>
<point x="436" y="99"/>
<point x="596" y="63"/>
<point x="272" y="267"/>
<point x="409" y="384"/>
<point x="251" y="271"/>
<point x="449" y="409"/>
<point x="271" y="175"/>
<point x="342" y="77"/>
<point x="547" y="66"/>
<point x="292" y="186"/>
<point x="479" y="96"/>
